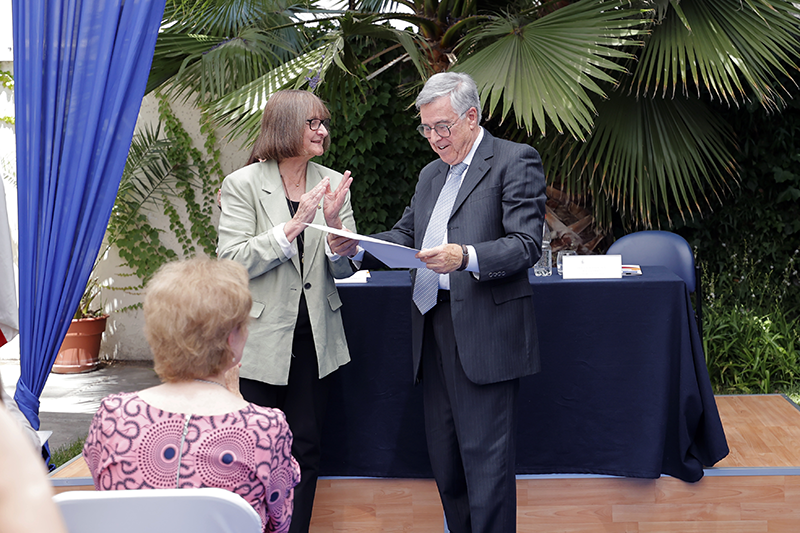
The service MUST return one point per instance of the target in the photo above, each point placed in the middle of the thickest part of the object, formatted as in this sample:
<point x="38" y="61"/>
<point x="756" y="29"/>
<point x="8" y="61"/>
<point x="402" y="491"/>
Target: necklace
<point x="283" y="179"/>
<point x="212" y="382"/>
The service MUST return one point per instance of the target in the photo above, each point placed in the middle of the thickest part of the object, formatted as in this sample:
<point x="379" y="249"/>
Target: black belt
<point x="443" y="296"/>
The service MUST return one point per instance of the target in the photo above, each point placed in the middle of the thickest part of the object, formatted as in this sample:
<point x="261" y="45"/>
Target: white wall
<point x="6" y="32"/>
<point x="124" y="338"/>
<point x="8" y="171"/>
<point x="7" y="148"/>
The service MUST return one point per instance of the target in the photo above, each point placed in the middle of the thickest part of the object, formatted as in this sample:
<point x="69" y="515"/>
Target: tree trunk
<point x="571" y="224"/>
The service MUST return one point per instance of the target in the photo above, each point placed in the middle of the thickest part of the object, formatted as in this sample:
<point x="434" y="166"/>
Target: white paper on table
<point x="592" y="266"/>
<point x="360" y="276"/>
<point x="391" y="254"/>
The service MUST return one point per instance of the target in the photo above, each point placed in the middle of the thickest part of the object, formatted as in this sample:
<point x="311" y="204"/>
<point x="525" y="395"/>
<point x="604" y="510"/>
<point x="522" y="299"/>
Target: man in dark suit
<point x="473" y="333"/>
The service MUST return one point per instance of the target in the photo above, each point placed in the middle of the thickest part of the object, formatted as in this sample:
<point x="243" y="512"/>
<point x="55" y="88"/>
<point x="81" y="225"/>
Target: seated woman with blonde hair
<point x="195" y="429"/>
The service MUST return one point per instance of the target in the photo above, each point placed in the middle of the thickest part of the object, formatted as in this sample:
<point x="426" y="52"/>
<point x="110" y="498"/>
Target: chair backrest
<point x="206" y="510"/>
<point x="658" y="248"/>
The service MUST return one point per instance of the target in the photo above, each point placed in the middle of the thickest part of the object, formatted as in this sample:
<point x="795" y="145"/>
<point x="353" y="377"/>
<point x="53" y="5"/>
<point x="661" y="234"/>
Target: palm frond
<point x="375" y="26"/>
<point x="732" y="49"/>
<point x="223" y="18"/>
<point x="219" y="45"/>
<point x="545" y="70"/>
<point x="240" y="111"/>
<point x="646" y="156"/>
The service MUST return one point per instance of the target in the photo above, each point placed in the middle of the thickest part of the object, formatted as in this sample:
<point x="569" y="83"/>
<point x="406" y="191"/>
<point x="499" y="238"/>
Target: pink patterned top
<point x="133" y="445"/>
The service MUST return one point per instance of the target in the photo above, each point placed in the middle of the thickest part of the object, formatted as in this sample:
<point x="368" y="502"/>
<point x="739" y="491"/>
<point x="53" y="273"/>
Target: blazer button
<point x="307" y="286"/>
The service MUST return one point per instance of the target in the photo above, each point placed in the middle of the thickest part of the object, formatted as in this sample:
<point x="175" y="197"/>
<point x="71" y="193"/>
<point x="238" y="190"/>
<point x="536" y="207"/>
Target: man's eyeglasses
<point x="315" y="123"/>
<point x="442" y="129"/>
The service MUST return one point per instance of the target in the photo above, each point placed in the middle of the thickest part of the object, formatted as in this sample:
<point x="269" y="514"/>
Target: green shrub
<point x="750" y="330"/>
<point x="376" y="139"/>
<point x="760" y="217"/>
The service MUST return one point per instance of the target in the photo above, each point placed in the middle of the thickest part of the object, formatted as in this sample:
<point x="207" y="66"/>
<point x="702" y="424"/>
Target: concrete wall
<point x="124" y="338"/>
<point x="6" y="32"/>
<point x="8" y="158"/>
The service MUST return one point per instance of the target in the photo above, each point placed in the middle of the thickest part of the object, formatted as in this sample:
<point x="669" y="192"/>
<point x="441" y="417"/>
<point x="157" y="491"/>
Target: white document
<point x="358" y="277"/>
<point x="592" y="266"/>
<point x="391" y="254"/>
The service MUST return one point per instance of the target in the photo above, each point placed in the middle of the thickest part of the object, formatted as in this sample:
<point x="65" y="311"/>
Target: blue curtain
<point x="80" y="70"/>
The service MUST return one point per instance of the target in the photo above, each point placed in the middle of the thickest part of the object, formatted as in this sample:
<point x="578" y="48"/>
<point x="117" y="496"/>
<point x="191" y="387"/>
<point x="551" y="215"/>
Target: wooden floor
<point x="756" y="489"/>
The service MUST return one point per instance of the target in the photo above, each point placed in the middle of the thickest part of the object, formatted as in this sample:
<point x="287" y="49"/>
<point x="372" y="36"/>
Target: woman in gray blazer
<point x="296" y="336"/>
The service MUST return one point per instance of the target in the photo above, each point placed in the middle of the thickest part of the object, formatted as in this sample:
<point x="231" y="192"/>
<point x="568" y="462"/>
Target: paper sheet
<point x="358" y="277"/>
<point x="391" y="254"/>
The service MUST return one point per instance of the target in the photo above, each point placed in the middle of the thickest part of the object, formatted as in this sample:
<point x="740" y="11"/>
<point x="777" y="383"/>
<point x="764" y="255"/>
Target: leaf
<point x="731" y="49"/>
<point x="207" y="45"/>
<point x="545" y="70"/>
<point x="241" y="110"/>
<point x="644" y="157"/>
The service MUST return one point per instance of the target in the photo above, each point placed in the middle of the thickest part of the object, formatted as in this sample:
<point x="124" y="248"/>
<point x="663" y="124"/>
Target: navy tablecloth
<point x="623" y="389"/>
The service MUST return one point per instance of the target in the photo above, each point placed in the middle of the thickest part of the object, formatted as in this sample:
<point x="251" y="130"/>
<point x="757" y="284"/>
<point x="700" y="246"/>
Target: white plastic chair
<point x="207" y="510"/>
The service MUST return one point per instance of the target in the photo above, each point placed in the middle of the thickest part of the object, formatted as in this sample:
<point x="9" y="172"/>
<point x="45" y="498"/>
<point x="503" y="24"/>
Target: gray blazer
<point x="253" y="202"/>
<point x="499" y="210"/>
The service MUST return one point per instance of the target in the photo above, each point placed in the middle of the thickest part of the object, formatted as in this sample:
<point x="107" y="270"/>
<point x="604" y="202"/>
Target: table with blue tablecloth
<point x="623" y="389"/>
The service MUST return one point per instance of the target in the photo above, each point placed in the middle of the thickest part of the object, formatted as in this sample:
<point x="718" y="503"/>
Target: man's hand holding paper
<point x="442" y="259"/>
<point x="343" y="242"/>
<point x="343" y="245"/>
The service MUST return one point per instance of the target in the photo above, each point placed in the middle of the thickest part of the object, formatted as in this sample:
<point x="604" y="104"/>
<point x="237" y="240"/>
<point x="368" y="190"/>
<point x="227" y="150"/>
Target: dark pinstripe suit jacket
<point x="499" y="210"/>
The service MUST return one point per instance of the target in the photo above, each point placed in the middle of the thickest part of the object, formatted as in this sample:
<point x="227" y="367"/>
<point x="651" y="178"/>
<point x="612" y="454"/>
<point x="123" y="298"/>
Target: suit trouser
<point x="471" y="434"/>
<point x="303" y="401"/>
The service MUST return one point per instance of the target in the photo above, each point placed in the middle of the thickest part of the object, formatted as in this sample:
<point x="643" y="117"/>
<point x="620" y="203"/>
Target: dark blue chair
<point x="666" y="249"/>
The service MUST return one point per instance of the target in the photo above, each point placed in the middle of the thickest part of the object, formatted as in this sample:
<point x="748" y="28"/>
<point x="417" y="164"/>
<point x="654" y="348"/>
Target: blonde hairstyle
<point x="283" y="125"/>
<point x="190" y="308"/>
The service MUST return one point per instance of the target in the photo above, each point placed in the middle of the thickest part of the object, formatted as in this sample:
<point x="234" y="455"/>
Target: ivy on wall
<point x="7" y="81"/>
<point x="165" y="173"/>
<point x="189" y="163"/>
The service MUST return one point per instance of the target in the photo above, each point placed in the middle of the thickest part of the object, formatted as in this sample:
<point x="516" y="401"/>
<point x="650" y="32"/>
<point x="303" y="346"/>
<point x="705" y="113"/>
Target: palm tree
<point x="617" y="95"/>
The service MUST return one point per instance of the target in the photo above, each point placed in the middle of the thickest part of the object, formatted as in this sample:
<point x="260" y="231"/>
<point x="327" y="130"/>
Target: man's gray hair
<point x="459" y="86"/>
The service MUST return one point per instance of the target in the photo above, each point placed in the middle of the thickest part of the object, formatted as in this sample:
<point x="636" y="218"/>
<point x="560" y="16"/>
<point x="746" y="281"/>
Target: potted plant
<point x="80" y="351"/>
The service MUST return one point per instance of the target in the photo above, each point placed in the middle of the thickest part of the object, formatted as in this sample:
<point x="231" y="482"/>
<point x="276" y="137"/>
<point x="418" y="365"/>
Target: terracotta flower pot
<point x="80" y="351"/>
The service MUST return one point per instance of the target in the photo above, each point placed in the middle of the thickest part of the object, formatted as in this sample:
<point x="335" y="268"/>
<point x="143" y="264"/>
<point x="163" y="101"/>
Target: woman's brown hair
<point x="284" y="123"/>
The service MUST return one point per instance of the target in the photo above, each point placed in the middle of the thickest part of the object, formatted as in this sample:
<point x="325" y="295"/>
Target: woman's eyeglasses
<point x="315" y="123"/>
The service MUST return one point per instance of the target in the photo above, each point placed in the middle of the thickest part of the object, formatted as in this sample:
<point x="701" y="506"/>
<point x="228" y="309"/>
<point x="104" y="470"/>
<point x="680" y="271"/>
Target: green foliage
<point x="165" y="174"/>
<point x="89" y="306"/>
<point x="748" y="251"/>
<point x="377" y="141"/>
<point x="751" y="336"/>
<point x="188" y="163"/>
<point x="760" y="219"/>
<point x="63" y="454"/>
<point x="8" y="120"/>
<point x="147" y="178"/>
<point x="7" y="79"/>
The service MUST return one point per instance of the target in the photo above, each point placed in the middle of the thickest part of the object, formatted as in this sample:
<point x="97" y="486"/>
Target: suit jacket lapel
<point x="273" y="199"/>
<point x="481" y="163"/>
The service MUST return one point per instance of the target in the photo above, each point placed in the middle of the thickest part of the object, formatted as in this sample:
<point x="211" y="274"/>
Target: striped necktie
<point x="426" y="284"/>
